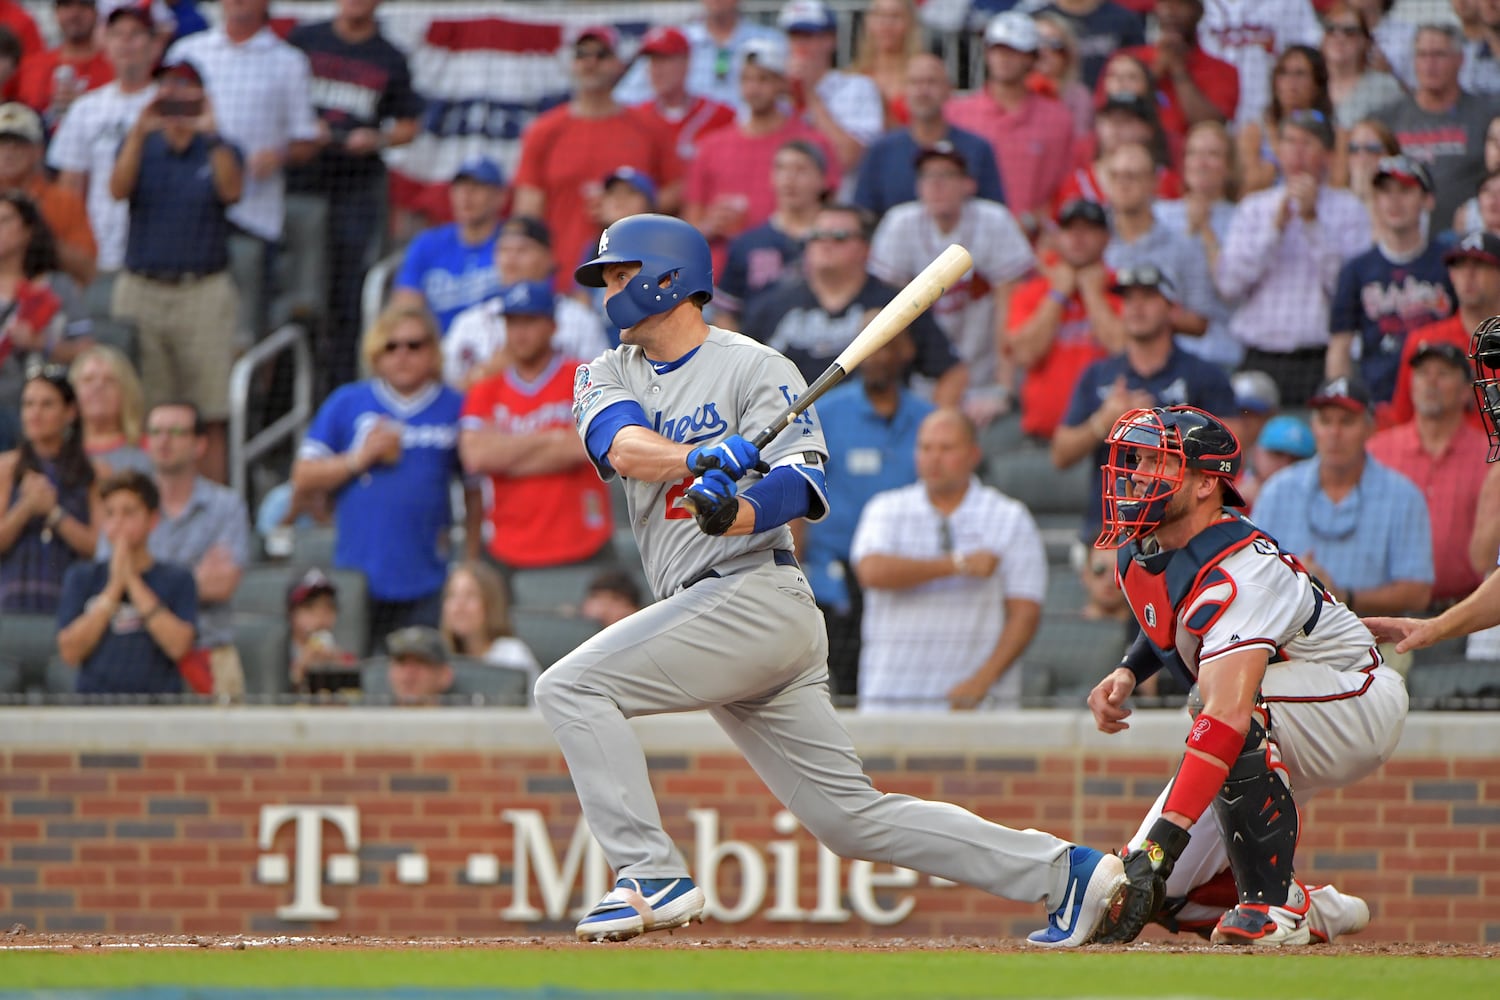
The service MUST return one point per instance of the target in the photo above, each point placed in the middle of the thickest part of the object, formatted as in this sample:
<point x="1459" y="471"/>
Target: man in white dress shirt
<point x="954" y="574"/>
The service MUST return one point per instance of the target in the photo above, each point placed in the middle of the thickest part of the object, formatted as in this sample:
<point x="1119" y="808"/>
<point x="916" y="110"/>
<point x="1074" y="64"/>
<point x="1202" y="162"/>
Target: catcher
<point x="1294" y="694"/>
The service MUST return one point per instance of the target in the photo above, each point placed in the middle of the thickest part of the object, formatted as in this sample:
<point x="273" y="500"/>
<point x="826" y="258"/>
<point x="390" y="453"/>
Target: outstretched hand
<point x="1407" y="633"/>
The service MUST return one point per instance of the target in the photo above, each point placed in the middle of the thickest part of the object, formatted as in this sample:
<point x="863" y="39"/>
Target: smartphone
<point x="175" y="107"/>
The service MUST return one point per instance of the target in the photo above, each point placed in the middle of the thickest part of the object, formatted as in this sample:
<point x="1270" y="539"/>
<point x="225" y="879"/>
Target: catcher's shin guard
<point x="1259" y="822"/>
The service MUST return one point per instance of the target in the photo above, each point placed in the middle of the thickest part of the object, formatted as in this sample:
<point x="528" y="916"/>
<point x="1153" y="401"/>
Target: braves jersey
<point x="1381" y="301"/>
<point x="1230" y="589"/>
<point x="1249" y="34"/>
<point x="547" y="519"/>
<point x="729" y="385"/>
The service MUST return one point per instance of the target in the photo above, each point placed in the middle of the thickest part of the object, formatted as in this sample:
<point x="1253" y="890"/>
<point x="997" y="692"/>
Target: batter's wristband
<point x="1140" y="659"/>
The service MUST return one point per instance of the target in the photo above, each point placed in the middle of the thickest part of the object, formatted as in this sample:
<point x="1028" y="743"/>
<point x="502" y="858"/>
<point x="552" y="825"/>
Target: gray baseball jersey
<point x="730" y="385"/>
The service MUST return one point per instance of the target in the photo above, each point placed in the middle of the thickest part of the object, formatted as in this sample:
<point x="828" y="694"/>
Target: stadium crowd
<point x="1286" y="212"/>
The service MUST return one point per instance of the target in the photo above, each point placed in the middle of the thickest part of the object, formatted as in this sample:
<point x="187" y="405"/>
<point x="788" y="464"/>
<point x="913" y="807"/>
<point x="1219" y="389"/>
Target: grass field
<point x="638" y="973"/>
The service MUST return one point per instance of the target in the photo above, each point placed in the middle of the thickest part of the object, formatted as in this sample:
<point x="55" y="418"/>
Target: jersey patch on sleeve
<point x="1214" y="594"/>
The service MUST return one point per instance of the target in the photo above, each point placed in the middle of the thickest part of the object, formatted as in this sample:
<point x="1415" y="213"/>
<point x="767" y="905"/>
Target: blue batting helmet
<point x="675" y="264"/>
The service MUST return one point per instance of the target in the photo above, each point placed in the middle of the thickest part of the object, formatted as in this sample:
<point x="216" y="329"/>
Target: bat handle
<point x="766" y="436"/>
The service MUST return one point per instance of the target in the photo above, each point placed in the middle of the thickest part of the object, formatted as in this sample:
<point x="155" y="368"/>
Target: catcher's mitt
<point x="1146" y="871"/>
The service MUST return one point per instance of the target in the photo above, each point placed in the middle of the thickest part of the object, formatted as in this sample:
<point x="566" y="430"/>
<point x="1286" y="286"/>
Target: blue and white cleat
<point x="637" y="905"/>
<point x="1095" y="882"/>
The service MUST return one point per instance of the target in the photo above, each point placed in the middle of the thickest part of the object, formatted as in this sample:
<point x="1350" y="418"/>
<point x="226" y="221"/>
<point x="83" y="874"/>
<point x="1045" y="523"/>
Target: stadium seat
<point x="1070" y="654"/>
<point x="302" y="265"/>
<point x="1442" y="672"/>
<point x="1065" y="591"/>
<point x="1027" y="474"/>
<point x="551" y="636"/>
<point x="262" y="641"/>
<point x="1001" y="436"/>
<point x="559" y="588"/>
<point x="473" y="680"/>
<point x="27" y="643"/>
<point x="122" y="335"/>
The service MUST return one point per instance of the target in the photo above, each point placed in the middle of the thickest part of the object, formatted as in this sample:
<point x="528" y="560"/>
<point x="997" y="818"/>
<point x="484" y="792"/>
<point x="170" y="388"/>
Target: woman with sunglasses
<point x="1057" y="75"/>
<point x="386" y="451"/>
<point x="1370" y="140"/>
<point x="49" y="521"/>
<point x="1356" y="88"/>
<point x="1299" y="82"/>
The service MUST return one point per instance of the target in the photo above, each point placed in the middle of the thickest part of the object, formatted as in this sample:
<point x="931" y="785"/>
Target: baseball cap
<point x="417" y="642"/>
<point x="1146" y="276"/>
<point x="1131" y="104"/>
<point x="1288" y="435"/>
<point x="313" y="583"/>
<point x="811" y="150"/>
<point x="601" y="33"/>
<point x="1255" y="391"/>
<point x="181" y="68"/>
<point x="481" y="169"/>
<point x="642" y="183"/>
<point x="528" y="298"/>
<point x="529" y="226"/>
<point x="1312" y="121"/>
<point x="17" y="120"/>
<point x="1483" y="247"/>
<point x="1447" y="351"/>
<point x="1083" y="210"/>
<point x="665" y="40"/>
<point x="943" y="150"/>
<point x="1405" y="170"/>
<point x="806" y="17"/>
<point x="154" y="14"/>
<point x="1013" y="30"/>
<point x="767" y="53"/>
<point x="1345" y="391"/>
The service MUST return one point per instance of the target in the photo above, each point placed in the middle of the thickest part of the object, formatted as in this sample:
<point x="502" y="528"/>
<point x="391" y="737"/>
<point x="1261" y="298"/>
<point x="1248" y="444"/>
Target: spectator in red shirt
<point x="1193" y="85"/>
<point x="1474" y="269"/>
<point x="1123" y="120"/>
<point x="729" y="181"/>
<point x="566" y="150"/>
<point x="1444" y="456"/>
<point x="1032" y="135"/>
<point x="1064" y="318"/>
<point x="687" y="116"/>
<point x="15" y="19"/>
<point x="51" y="80"/>
<point x="548" y="507"/>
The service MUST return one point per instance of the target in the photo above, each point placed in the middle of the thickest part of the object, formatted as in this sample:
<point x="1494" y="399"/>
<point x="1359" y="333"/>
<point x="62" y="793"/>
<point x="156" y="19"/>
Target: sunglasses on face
<point x="1371" y="148"/>
<point x="1347" y="30"/>
<point x="591" y="54"/>
<point x="171" y="432"/>
<point x="409" y="346"/>
<point x="833" y="235"/>
<point x="1052" y="44"/>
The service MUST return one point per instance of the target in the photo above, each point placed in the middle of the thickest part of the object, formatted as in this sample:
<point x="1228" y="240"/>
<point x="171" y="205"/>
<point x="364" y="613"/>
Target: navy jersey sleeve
<point x="1085" y="398"/>
<point x="734" y="283"/>
<point x="934" y="353"/>
<point x="400" y="99"/>
<point x="867" y="184"/>
<point x="985" y="171"/>
<point x="1343" y="311"/>
<point x="76" y="587"/>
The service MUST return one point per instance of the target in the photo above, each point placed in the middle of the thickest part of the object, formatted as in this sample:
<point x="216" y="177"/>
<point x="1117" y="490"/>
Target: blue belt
<point x="781" y="557"/>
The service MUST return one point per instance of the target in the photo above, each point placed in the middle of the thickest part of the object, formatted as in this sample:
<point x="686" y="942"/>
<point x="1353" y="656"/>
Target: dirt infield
<point x="20" y="939"/>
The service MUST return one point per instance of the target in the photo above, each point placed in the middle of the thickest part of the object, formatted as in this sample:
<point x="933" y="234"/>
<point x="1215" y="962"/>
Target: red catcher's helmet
<point x="1149" y="453"/>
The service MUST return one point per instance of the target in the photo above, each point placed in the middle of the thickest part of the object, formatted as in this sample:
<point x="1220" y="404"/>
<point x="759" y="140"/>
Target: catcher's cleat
<point x="1331" y="913"/>
<point x="1095" y="884"/>
<point x="1267" y="926"/>
<point x="635" y="906"/>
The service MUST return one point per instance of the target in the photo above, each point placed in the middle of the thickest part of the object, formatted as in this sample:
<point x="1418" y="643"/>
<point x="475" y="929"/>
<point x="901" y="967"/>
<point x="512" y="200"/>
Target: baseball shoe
<point x="1267" y="926"/>
<point x="1332" y="913"/>
<point x="1095" y="882"/>
<point x="637" y="905"/>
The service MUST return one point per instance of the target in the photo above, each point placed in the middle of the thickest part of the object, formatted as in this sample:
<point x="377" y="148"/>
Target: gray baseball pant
<point x="751" y="649"/>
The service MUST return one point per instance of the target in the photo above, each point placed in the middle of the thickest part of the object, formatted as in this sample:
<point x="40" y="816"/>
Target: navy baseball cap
<point x="1083" y="210"/>
<point x="806" y="17"/>
<point x="1344" y="391"/>
<point x="1483" y="247"/>
<point x="1445" y="350"/>
<point x="528" y="298"/>
<point x="481" y="170"/>
<point x="942" y="150"/>
<point x="642" y="183"/>
<point x="529" y="226"/>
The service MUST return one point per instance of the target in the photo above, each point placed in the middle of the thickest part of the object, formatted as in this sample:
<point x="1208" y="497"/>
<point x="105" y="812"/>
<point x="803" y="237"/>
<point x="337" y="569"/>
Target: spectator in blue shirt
<point x="127" y="621"/>
<point x="387" y="450"/>
<point x="450" y="268"/>
<point x="180" y="178"/>
<point x="871" y="429"/>
<point x="887" y="176"/>
<point x="1152" y="371"/>
<point x="1359" y="527"/>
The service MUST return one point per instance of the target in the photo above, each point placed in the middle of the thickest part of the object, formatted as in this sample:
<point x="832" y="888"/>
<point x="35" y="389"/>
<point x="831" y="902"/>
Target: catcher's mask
<point x="1150" y="451"/>
<point x="1484" y="351"/>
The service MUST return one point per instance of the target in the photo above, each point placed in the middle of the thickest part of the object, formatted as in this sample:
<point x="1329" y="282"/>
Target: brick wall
<point x="151" y="838"/>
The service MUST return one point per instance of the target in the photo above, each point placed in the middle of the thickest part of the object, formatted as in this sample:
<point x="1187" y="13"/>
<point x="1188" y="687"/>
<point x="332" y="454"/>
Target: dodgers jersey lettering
<point x="730" y="385"/>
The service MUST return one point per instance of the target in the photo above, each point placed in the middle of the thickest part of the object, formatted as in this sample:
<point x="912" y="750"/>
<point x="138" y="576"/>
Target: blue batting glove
<point x="734" y="455"/>
<point x="714" y="501"/>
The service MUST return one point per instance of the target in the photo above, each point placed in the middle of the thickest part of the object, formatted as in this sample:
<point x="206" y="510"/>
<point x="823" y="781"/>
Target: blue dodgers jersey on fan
<point x="1382" y="302"/>
<point x="393" y="521"/>
<point x="451" y="275"/>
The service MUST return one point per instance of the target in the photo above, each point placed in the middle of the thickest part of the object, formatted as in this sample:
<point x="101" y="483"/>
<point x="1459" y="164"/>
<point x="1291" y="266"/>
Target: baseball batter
<point x="735" y="630"/>
<point x="1294" y="693"/>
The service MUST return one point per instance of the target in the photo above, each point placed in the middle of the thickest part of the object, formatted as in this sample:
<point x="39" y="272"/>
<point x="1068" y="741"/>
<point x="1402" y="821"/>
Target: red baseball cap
<point x="599" y="32"/>
<point x="665" y="40"/>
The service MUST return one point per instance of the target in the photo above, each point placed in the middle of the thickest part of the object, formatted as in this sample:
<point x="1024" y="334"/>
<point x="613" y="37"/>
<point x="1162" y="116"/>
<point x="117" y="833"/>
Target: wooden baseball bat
<point x="912" y="301"/>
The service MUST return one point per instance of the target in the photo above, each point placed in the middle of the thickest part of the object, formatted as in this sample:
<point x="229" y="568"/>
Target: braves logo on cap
<point x="1474" y="241"/>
